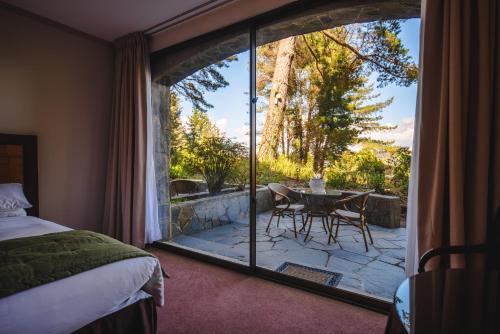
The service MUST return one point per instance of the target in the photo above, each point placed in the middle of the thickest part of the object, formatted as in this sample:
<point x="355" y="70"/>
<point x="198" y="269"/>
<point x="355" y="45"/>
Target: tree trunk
<point x="273" y="124"/>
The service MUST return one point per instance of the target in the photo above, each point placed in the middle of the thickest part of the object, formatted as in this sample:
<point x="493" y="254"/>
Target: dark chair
<point x="351" y="211"/>
<point x="286" y="205"/>
<point x="491" y="249"/>
<point x="180" y="186"/>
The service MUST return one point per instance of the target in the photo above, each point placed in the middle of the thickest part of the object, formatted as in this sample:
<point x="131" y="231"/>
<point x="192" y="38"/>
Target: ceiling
<point x="110" y="19"/>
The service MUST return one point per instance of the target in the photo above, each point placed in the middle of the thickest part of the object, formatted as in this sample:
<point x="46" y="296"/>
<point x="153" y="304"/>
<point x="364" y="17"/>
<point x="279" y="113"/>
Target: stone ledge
<point x="208" y="212"/>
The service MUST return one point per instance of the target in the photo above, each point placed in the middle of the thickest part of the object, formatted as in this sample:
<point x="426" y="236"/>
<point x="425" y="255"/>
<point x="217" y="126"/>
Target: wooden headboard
<point x="19" y="164"/>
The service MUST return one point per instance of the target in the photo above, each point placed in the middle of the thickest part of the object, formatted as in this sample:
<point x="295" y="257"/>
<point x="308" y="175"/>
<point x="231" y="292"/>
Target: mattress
<point x="68" y="304"/>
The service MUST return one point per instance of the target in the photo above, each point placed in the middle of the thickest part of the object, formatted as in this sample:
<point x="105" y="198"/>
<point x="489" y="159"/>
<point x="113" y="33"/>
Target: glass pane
<point x="335" y="119"/>
<point x="209" y="151"/>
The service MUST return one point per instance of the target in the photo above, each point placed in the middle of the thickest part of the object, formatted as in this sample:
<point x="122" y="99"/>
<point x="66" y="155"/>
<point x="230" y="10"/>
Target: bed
<point x="117" y="297"/>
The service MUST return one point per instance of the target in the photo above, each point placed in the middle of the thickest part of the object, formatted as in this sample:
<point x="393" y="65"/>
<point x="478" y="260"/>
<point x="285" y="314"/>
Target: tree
<point x="273" y="125"/>
<point x="193" y="89"/>
<point x="327" y="88"/>
<point x="207" y="79"/>
<point x="211" y="153"/>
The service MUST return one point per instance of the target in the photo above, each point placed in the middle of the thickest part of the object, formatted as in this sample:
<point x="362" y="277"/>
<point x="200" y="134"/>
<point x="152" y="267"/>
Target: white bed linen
<point x="71" y="303"/>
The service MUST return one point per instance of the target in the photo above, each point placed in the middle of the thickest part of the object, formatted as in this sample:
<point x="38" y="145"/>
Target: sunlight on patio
<point x="377" y="272"/>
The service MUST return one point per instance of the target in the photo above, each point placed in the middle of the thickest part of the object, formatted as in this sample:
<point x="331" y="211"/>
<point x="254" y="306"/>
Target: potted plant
<point x="317" y="184"/>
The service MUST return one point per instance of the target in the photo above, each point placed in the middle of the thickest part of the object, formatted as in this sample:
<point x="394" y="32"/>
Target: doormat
<point x="320" y="276"/>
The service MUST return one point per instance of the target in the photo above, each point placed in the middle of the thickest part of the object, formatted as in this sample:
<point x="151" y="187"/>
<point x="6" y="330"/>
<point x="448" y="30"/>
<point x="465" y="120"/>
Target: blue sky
<point x="230" y="110"/>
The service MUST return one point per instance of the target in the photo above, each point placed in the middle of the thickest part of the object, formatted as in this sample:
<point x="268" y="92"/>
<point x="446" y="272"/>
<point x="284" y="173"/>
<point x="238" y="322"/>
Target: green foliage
<point x="400" y="164"/>
<point x="179" y="171"/>
<point x="210" y="153"/>
<point x="361" y="170"/>
<point x="214" y="158"/>
<point x="388" y="56"/>
<point x="266" y="175"/>
<point x="240" y="173"/>
<point x="330" y="105"/>
<point x="283" y="168"/>
<point x="178" y="167"/>
<point x="207" y="79"/>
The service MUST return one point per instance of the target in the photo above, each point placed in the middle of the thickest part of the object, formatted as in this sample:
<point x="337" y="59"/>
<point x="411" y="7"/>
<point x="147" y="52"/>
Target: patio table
<point x="318" y="205"/>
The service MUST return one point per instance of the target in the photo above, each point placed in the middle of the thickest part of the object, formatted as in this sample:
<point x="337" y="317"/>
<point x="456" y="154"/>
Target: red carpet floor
<point x="202" y="298"/>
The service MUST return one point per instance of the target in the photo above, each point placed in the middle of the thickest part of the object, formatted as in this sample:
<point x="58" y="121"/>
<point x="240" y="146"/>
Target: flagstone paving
<point x="376" y="272"/>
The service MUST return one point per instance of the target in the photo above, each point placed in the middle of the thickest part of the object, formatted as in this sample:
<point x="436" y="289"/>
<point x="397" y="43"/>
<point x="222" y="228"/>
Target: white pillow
<point x="20" y="212"/>
<point x="12" y="197"/>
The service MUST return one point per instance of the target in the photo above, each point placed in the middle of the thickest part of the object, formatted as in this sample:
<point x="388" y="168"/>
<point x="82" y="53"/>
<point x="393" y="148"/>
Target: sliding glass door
<point x="332" y="174"/>
<point x="284" y="147"/>
<point x="209" y="150"/>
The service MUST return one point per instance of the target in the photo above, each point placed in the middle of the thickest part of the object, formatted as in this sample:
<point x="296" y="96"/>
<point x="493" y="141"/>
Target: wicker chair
<point x="286" y="205"/>
<point x="343" y="212"/>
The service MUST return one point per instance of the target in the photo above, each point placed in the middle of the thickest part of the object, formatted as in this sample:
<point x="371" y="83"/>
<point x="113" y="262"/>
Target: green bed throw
<point x="32" y="261"/>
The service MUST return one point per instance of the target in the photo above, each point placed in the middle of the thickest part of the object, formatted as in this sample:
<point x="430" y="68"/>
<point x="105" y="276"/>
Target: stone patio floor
<point x="377" y="272"/>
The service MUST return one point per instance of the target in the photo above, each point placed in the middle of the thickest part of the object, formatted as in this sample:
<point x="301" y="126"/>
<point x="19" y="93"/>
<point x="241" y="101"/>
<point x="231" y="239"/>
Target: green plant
<point x="282" y="168"/>
<point x="400" y="164"/>
<point x="214" y="158"/>
<point x="370" y="170"/>
<point x="178" y="172"/>
<point x="358" y="171"/>
<point x="240" y="173"/>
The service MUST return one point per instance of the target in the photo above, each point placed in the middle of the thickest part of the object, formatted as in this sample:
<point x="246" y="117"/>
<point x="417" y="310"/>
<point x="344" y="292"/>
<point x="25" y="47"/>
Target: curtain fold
<point x="152" y="228"/>
<point x="126" y="183"/>
<point x="458" y="168"/>
<point x="411" y="259"/>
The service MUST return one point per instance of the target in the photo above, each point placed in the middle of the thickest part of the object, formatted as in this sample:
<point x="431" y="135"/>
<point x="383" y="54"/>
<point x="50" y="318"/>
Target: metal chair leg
<point x="309" y="229"/>
<point x="304" y="222"/>
<point x="294" y="226"/>
<point x="324" y="226"/>
<point x="337" y="228"/>
<point x="269" y="224"/>
<point x="364" y="237"/>
<point x="279" y="216"/>
<point x="369" y="234"/>
<point x="330" y="232"/>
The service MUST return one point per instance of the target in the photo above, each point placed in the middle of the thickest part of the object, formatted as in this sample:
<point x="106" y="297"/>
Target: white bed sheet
<point x="71" y="303"/>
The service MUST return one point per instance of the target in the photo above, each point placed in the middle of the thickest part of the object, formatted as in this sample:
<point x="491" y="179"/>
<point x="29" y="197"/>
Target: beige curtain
<point x="124" y="212"/>
<point x="459" y="139"/>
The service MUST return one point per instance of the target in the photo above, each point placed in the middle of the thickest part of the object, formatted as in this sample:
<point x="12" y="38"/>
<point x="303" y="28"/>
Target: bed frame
<point x="19" y="164"/>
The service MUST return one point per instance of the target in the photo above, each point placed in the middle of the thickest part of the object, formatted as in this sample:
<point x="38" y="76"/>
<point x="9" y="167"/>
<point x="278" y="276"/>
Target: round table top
<point x="328" y="192"/>
<point x="449" y="301"/>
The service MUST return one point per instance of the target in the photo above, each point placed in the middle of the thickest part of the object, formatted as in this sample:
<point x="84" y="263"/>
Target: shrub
<point x="282" y="168"/>
<point x="400" y="164"/>
<point x="214" y="159"/>
<point x="240" y="173"/>
<point x="266" y="175"/>
<point x="361" y="170"/>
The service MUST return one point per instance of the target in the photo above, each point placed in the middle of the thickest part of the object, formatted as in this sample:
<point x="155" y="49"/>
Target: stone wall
<point x="208" y="212"/>
<point x="384" y="210"/>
